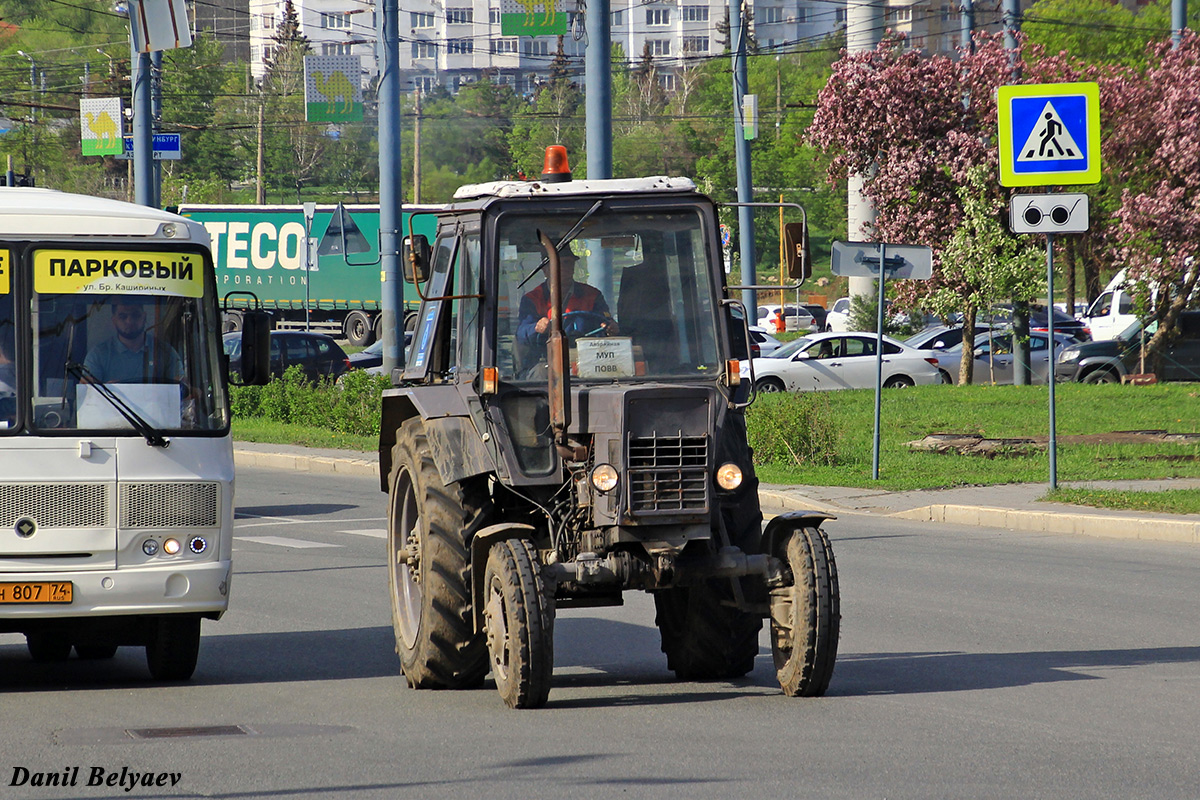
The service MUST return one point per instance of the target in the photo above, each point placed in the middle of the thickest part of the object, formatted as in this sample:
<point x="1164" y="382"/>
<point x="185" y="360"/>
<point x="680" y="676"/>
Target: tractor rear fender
<point x="455" y="444"/>
<point x="781" y="527"/>
<point x="481" y="543"/>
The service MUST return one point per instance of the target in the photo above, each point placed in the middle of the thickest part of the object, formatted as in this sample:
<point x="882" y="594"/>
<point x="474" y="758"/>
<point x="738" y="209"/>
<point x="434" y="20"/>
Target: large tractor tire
<point x="519" y="613"/>
<point x="805" y="616"/>
<point x="703" y="635"/>
<point x="430" y="527"/>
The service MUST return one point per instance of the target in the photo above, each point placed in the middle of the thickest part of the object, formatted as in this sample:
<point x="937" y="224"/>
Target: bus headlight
<point x="198" y="544"/>
<point x="604" y="478"/>
<point x="150" y="547"/>
<point x="729" y="476"/>
<point x="172" y="547"/>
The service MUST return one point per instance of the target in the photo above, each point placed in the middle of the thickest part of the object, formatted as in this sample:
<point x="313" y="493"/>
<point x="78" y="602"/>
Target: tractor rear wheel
<point x="519" y="614"/>
<point x="805" y="616"/>
<point x="430" y="527"/>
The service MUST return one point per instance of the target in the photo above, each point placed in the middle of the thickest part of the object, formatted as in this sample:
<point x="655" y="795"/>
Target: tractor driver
<point x="533" y="322"/>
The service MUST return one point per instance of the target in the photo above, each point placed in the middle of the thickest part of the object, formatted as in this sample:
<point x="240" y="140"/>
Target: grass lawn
<point x="991" y="411"/>
<point x="1002" y="412"/>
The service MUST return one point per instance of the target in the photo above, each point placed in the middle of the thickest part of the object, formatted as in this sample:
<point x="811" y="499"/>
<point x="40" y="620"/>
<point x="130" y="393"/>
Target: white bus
<point x="116" y="464"/>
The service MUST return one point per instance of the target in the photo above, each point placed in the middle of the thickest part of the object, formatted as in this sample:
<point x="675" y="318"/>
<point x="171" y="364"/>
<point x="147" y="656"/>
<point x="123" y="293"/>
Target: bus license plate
<point x="37" y="592"/>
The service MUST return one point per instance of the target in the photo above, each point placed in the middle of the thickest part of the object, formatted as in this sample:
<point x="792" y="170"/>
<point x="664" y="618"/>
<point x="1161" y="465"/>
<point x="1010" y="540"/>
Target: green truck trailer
<point x="260" y="249"/>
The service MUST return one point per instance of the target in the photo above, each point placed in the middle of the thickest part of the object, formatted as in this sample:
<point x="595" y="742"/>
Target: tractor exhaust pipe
<point x="557" y="363"/>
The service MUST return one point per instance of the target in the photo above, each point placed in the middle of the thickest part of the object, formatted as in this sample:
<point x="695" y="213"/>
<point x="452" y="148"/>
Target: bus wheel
<point x="48" y="646"/>
<point x="173" y="646"/>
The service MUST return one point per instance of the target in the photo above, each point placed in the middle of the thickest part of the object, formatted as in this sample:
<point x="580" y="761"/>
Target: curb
<point x="303" y="463"/>
<point x="1097" y="525"/>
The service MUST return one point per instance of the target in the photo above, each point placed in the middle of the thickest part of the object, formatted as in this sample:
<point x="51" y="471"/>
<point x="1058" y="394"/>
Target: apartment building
<point x="451" y="42"/>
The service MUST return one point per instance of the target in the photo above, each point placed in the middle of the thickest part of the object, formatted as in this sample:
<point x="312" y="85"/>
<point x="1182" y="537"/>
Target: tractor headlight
<point x="729" y="476"/>
<point x="604" y="478"/>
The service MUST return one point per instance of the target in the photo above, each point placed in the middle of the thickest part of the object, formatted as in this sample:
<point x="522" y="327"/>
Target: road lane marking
<point x="374" y="533"/>
<point x="283" y="541"/>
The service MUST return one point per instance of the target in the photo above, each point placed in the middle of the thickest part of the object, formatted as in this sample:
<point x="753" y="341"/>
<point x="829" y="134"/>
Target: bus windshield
<point x="638" y="295"/>
<point x="121" y="340"/>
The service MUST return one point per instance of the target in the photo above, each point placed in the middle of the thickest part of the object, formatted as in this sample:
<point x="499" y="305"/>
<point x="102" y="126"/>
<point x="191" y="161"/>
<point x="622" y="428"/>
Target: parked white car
<point x="766" y="342"/>
<point x="769" y="317"/>
<point x="823" y="361"/>
<point x="838" y="318"/>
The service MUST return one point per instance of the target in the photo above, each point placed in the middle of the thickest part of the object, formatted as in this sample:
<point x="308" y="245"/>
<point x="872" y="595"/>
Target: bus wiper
<point x="566" y="239"/>
<point x="139" y="423"/>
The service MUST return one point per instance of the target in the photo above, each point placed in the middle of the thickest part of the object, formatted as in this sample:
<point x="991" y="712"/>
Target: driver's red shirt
<point x="536" y="304"/>
<point x="582" y="298"/>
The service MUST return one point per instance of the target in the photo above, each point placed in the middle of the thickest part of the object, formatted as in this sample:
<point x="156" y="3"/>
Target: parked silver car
<point x="824" y="361"/>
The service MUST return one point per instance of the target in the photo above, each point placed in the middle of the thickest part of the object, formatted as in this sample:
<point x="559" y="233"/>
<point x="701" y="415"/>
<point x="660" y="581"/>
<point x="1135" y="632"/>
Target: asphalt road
<point x="974" y="663"/>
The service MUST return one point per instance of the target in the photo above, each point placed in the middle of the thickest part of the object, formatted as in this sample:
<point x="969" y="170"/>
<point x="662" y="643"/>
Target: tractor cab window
<point x="637" y="296"/>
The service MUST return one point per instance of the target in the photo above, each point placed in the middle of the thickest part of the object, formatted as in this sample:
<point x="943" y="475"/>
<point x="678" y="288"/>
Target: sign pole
<point x="878" y="364"/>
<point x="1050" y="373"/>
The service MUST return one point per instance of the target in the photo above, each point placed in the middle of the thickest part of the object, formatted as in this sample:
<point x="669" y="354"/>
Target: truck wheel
<point x="1101" y="376"/>
<point x="806" y="615"/>
<point x="231" y="321"/>
<point x="519" y="614"/>
<point x="173" y="647"/>
<point x="358" y="330"/>
<point x="430" y="526"/>
<point x="46" y="647"/>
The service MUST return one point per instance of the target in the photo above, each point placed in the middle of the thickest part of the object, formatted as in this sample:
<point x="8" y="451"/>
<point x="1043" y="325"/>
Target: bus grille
<point x="169" y="505"/>
<point x="56" y="505"/>
<point x="668" y="474"/>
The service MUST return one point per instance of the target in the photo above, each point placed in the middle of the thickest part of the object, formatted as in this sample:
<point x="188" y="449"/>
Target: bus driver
<point x="133" y="354"/>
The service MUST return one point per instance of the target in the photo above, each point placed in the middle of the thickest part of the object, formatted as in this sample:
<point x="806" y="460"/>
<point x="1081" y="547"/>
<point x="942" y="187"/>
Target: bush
<point x="792" y="429"/>
<point x="349" y="406"/>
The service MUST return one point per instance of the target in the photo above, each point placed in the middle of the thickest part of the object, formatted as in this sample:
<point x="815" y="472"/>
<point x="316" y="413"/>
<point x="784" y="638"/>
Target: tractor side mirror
<point x="415" y="254"/>
<point x="256" y="347"/>
<point x="798" y="249"/>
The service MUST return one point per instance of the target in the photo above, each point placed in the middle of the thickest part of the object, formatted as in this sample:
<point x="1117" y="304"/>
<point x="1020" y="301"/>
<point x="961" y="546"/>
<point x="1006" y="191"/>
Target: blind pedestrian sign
<point x="1049" y="134"/>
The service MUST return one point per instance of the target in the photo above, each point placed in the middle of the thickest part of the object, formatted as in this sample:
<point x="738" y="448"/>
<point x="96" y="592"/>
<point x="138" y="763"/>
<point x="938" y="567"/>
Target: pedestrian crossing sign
<point x="1049" y="134"/>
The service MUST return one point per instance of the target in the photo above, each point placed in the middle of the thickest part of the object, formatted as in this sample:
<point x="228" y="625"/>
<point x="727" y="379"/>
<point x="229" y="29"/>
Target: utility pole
<point x="260" y="193"/>
<point x="143" y="138"/>
<point x="864" y="25"/>
<point x="597" y="104"/>
<point x="1178" y="22"/>
<point x="390" y="202"/>
<point x="417" y="145"/>
<point x="968" y="26"/>
<point x="745" y="187"/>
<point x="1022" y="374"/>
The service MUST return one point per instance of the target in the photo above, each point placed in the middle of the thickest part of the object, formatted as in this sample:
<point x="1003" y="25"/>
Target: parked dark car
<point x="372" y="356"/>
<point x="317" y="354"/>
<point x="819" y="313"/>
<point x="1063" y="322"/>
<point x="1108" y="360"/>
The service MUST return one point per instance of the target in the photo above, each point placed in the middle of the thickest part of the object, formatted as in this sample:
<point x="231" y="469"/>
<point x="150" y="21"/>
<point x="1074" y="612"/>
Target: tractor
<point x="568" y="425"/>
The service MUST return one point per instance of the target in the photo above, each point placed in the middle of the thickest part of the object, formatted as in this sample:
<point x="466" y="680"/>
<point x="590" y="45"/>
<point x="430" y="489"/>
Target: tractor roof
<point x="659" y="183"/>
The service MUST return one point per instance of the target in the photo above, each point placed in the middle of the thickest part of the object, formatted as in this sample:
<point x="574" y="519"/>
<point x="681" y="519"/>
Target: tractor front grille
<point x="668" y="474"/>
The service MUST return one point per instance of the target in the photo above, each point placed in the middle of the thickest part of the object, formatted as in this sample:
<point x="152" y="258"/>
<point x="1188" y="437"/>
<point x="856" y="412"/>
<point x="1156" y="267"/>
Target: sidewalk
<point x="1011" y="506"/>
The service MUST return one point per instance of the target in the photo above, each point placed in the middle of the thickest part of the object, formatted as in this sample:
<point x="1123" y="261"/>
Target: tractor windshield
<point x="638" y="295"/>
